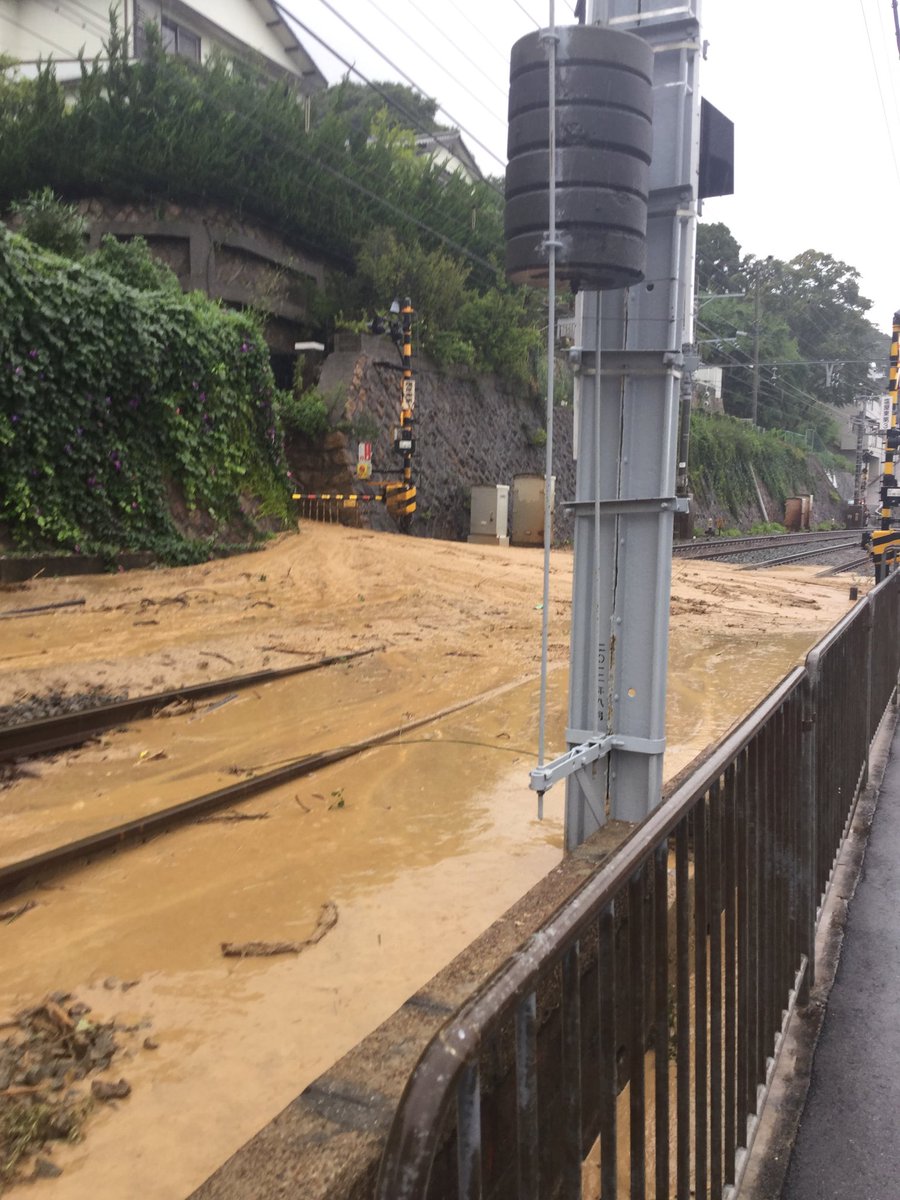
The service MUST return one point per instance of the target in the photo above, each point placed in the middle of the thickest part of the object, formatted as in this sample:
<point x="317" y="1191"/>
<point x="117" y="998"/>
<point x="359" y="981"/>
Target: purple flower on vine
<point x="32" y="353"/>
<point x="15" y="418"/>
<point x="18" y="370"/>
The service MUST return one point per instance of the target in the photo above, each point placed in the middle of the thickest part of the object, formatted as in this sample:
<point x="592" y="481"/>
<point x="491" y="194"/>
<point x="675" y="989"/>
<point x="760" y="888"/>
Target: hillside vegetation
<point x="726" y="453"/>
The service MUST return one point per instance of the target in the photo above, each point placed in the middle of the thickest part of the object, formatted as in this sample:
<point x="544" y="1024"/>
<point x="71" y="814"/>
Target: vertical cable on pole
<point x="551" y="243"/>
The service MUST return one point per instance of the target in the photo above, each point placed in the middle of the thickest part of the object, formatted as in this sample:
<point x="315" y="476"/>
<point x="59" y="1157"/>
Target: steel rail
<point x="854" y="565"/>
<point x="70" y="729"/>
<point x="141" y="829"/>
<point x="789" y="558"/>
<point x="724" y="547"/>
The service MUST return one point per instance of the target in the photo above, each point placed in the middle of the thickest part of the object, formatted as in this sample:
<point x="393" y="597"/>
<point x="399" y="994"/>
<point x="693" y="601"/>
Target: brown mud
<point x="418" y="845"/>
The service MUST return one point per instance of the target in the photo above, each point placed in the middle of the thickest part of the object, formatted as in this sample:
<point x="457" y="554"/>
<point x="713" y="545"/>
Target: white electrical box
<point x="489" y="523"/>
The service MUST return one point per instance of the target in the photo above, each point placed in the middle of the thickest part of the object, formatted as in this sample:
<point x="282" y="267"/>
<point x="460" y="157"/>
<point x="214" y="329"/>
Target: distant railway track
<point x="817" y="551"/>
<point x="731" y="547"/>
<point x="72" y="729"/>
<point x="856" y="564"/>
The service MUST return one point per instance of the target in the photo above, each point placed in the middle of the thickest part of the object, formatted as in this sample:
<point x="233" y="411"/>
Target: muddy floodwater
<point x="419" y="844"/>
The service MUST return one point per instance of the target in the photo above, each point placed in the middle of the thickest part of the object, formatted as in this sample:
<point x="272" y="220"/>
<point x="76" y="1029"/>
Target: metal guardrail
<point x="638" y="1026"/>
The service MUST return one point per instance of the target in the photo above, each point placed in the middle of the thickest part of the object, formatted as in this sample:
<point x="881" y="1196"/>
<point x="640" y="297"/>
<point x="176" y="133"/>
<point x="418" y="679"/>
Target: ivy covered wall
<point x="121" y="403"/>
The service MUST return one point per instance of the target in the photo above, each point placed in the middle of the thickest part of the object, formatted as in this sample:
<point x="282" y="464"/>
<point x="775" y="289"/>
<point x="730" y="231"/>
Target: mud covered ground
<point x="414" y="848"/>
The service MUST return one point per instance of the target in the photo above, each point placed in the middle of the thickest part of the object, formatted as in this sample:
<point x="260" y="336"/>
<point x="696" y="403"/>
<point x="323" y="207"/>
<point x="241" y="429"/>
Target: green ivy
<point x="723" y="450"/>
<point x="114" y="398"/>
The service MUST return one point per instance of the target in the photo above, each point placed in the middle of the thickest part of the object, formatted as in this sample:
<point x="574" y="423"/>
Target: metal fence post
<point x="807" y="897"/>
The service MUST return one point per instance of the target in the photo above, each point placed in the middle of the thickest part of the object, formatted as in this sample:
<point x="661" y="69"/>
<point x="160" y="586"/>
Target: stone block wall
<point x="470" y="430"/>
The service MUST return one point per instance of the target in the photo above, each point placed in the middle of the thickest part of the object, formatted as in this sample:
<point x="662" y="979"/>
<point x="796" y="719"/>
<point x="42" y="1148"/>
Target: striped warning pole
<point x="401" y="496"/>
<point x="884" y="536"/>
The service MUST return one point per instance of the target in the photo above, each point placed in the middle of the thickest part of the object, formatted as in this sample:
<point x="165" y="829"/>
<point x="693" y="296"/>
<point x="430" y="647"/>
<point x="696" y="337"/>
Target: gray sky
<point x="813" y="87"/>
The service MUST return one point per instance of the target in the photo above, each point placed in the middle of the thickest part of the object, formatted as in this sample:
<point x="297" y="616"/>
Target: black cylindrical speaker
<point x="604" y="97"/>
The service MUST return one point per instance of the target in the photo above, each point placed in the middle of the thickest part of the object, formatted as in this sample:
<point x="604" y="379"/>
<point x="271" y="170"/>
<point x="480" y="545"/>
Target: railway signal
<point x="397" y="495"/>
<point x="885" y="539"/>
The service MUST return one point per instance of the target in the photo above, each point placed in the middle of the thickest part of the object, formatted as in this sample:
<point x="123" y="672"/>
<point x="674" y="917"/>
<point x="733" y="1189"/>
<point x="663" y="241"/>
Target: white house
<point x="447" y="149"/>
<point x="250" y="30"/>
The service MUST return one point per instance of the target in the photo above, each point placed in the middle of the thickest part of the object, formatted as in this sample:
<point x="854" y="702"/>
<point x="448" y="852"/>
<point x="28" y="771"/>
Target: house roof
<point x="273" y="15"/>
<point x="451" y="141"/>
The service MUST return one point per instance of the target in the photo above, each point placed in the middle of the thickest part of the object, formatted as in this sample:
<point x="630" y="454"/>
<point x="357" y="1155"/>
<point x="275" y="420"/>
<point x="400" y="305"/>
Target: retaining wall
<point x="470" y="430"/>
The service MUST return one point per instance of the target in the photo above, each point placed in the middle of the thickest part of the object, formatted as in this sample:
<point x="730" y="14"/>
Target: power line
<point x="523" y="9"/>
<point x="412" y="83"/>
<point x="40" y="37"/>
<point x="887" y="123"/>
<point x="459" y="50"/>
<point x="415" y="123"/>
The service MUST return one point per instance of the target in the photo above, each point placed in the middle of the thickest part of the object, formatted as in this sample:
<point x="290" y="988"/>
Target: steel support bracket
<point x="608" y="507"/>
<point x="584" y="362"/>
<point x="642" y="363"/>
<point x="541" y="779"/>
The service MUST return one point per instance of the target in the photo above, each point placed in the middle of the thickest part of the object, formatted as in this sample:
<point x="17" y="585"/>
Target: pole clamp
<point x="541" y="779"/>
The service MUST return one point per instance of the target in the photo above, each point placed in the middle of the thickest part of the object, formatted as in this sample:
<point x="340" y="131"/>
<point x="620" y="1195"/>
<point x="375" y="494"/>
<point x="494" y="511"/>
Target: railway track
<point x="141" y="829"/>
<point x="72" y="729"/>
<point x="783" y="559"/>
<point x="731" y="547"/>
<point x="856" y="564"/>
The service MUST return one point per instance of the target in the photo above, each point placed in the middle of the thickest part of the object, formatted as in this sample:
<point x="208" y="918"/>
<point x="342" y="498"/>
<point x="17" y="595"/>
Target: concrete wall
<point x="211" y="250"/>
<point x="470" y="430"/>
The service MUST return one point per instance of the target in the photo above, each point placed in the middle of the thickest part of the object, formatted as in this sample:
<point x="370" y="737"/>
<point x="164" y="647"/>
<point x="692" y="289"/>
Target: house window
<point x="175" y="38"/>
<point x="178" y="40"/>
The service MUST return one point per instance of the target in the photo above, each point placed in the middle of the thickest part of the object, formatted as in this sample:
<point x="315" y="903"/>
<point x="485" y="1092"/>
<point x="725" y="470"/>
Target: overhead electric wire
<point x="522" y="8"/>
<point x="95" y="26"/>
<point x="39" y="36"/>
<point x="887" y="123"/>
<point x="502" y="91"/>
<point x="412" y="83"/>
<point x="418" y="45"/>
<point x="416" y="124"/>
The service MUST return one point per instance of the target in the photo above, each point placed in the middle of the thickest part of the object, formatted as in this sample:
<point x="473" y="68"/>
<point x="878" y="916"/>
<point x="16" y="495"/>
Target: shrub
<point x="49" y="223"/>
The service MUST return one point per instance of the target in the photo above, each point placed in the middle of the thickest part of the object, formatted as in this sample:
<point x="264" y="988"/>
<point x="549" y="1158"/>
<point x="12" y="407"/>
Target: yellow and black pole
<point x="401" y="496"/>
<point x="885" y="537"/>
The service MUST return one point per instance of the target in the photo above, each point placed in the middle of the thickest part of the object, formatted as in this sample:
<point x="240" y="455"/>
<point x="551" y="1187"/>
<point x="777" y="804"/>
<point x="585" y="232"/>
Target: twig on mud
<point x="12" y="913"/>
<point x="213" y="654"/>
<point x="288" y="650"/>
<point x="40" y="608"/>
<point x="326" y="921"/>
<point x="232" y="816"/>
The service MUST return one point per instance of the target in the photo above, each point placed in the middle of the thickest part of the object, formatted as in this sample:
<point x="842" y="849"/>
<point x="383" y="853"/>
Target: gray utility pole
<point x="627" y="392"/>
<point x="755" y="402"/>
